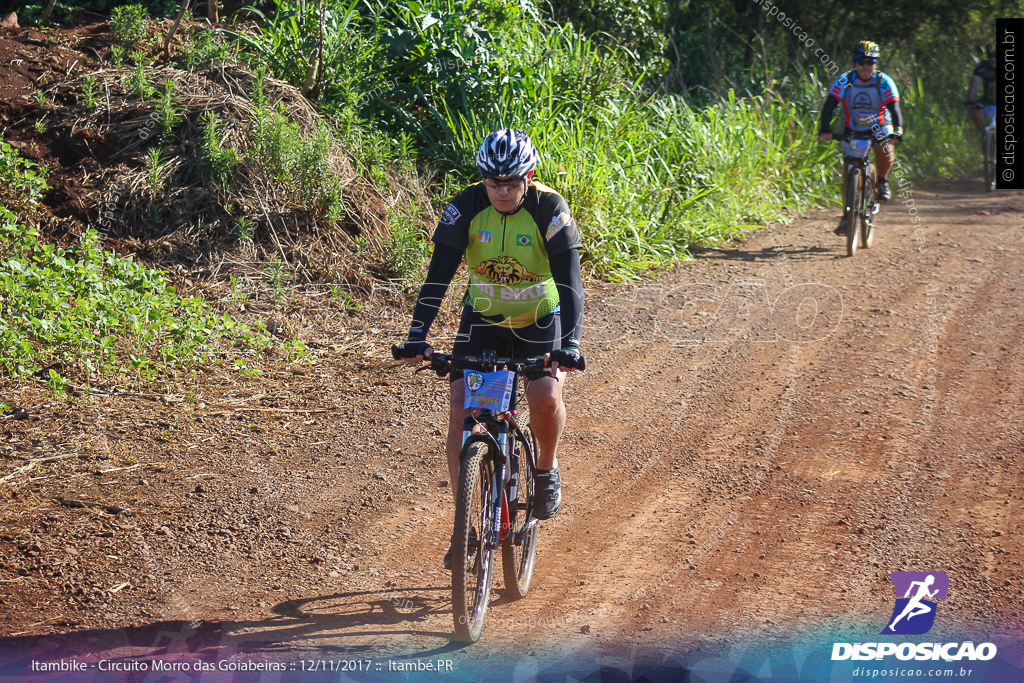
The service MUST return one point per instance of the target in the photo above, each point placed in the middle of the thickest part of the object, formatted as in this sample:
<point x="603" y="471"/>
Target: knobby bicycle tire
<point x="852" y="209"/>
<point x="867" y="231"/>
<point x="989" y="162"/>
<point x="517" y="562"/>
<point x="472" y="565"/>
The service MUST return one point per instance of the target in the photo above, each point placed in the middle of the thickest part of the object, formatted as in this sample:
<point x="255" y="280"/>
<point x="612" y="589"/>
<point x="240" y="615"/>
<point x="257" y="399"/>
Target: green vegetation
<point x="83" y="310"/>
<point x="204" y="49"/>
<point x="665" y="125"/>
<point x="128" y="25"/>
<point x="168" y="114"/>
<point x="89" y="95"/>
<point x="21" y="184"/>
<point x="299" y="162"/>
<point x="155" y="169"/>
<point x="218" y="159"/>
<point x="407" y="246"/>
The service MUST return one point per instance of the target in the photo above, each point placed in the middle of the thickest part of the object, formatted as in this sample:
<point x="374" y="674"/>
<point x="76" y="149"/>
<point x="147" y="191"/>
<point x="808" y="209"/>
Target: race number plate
<point x="491" y="390"/>
<point x="859" y="148"/>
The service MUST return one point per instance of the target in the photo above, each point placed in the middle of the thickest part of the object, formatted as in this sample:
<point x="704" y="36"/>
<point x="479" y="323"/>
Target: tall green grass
<point x="649" y="174"/>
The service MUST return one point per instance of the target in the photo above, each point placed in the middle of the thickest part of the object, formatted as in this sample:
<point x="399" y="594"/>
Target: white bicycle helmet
<point x="506" y="153"/>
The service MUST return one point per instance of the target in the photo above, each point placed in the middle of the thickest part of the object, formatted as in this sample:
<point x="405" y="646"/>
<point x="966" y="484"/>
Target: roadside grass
<point x="85" y="312"/>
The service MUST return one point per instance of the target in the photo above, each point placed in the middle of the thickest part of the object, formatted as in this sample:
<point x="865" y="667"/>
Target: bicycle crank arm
<point x="518" y="537"/>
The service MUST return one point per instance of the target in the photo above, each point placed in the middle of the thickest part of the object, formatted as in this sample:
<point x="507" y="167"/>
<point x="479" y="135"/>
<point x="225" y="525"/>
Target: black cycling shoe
<point x="841" y="229"/>
<point x="473" y="540"/>
<point x="548" y="495"/>
<point x="884" y="193"/>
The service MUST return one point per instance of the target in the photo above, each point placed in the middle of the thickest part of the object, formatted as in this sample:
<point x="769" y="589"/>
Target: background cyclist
<point x="869" y="97"/>
<point x="525" y="296"/>
<point x="985" y="75"/>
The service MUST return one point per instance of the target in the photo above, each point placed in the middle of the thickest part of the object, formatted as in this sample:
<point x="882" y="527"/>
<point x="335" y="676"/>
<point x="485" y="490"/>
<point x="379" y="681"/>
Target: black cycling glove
<point x="411" y="349"/>
<point x="568" y="357"/>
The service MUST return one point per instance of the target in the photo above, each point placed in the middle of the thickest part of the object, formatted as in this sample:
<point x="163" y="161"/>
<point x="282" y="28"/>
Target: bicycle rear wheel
<point x="472" y="561"/>
<point x="990" y="161"/>
<point x="852" y="208"/>
<point x="867" y="230"/>
<point x="517" y="561"/>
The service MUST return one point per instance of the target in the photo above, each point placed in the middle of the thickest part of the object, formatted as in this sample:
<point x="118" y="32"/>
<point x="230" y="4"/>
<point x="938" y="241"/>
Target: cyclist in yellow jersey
<point x="524" y="297"/>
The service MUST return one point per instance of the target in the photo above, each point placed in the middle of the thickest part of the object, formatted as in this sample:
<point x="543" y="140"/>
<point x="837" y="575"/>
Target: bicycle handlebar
<point x="442" y="361"/>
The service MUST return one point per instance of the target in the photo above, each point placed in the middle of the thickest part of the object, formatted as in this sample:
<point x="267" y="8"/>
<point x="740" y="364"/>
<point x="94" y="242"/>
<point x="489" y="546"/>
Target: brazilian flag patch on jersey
<point x="524" y="240"/>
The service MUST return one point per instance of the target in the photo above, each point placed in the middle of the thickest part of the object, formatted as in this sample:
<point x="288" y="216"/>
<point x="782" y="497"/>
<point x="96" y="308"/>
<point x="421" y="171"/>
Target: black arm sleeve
<point x="827" y="111"/>
<point x="897" y="114"/>
<point x="444" y="263"/>
<point x="565" y="270"/>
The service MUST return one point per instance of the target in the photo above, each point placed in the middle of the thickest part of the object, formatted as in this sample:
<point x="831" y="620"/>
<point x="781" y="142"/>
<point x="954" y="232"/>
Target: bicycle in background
<point x="988" y="144"/>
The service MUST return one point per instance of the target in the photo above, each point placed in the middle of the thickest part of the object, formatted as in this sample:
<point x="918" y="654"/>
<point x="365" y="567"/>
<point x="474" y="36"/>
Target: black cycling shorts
<point x="476" y="335"/>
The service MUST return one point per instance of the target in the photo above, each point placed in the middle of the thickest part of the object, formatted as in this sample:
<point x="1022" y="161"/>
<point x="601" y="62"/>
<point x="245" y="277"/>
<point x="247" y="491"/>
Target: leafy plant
<point x="407" y="246"/>
<point x="246" y="228"/>
<point x="301" y="162"/>
<point x="39" y="126"/>
<point x="155" y="164"/>
<point x="341" y="296"/>
<point x="128" y="25"/>
<point x="315" y="49"/>
<point x="167" y="113"/>
<point x="41" y="100"/>
<point x="218" y="159"/>
<point x="89" y="94"/>
<point x="20" y="183"/>
<point x="279" y="276"/>
<point x="117" y="55"/>
<point x="203" y="50"/>
<point x="137" y="81"/>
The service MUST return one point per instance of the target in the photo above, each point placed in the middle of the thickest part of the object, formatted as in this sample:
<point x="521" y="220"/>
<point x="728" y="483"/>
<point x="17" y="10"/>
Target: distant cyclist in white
<point x="915" y="607"/>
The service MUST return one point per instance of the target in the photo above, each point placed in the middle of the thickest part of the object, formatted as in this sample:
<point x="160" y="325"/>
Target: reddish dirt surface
<point x="768" y="487"/>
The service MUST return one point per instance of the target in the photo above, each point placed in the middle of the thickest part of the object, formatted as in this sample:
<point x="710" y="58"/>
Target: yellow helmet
<point x="866" y="49"/>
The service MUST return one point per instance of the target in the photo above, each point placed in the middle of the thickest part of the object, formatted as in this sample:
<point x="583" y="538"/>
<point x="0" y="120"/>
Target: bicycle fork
<point x="498" y="521"/>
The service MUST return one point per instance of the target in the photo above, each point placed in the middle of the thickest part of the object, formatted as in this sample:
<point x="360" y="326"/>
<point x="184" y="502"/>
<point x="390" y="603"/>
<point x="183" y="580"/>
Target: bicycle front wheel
<point x="517" y="561"/>
<point x="990" y="161"/>
<point x="472" y="561"/>
<point x="852" y="210"/>
<point x="867" y="230"/>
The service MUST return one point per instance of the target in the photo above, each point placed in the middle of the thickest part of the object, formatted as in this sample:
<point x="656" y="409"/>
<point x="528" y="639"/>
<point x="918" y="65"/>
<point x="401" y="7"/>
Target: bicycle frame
<point x="499" y="426"/>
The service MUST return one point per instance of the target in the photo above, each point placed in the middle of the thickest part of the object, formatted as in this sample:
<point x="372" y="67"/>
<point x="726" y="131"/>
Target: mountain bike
<point x="988" y="143"/>
<point x="495" y="492"/>
<point x="859" y="201"/>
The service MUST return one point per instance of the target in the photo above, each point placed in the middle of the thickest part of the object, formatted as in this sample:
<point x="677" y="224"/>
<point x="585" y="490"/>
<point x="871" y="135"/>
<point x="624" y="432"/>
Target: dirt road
<point x="716" y="492"/>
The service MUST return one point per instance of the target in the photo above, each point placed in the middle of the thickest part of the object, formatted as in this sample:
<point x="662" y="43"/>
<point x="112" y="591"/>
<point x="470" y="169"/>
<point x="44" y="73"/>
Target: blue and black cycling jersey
<point x="865" y="103"/>
<point x="987" y="73"/>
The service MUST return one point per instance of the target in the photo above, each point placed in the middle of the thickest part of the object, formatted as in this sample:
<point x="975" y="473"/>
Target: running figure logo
<point x="912" y="615"/>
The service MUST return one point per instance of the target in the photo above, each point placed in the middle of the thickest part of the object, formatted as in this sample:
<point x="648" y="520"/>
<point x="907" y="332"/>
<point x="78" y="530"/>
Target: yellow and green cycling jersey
<point x="510" y="281"/>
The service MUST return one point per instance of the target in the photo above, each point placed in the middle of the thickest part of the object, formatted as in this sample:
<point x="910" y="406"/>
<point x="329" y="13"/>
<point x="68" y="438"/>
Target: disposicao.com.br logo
<point x="914" y="614"/>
